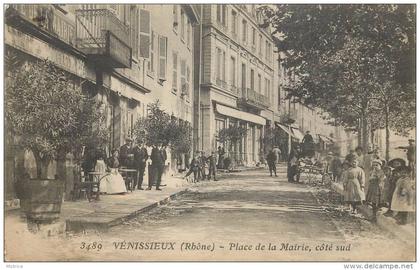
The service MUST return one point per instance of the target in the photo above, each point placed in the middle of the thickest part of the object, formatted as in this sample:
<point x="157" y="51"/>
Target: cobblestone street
<point x="227" y="220"/>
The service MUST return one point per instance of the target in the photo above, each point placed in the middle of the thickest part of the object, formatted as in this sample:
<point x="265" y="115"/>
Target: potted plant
<point x="45" y="112"/>
<point x="232" y="135"/>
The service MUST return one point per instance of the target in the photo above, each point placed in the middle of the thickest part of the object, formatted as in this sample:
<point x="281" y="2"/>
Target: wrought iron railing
<point x="49" y="19"/>
<point x="251" y="97"/>
<point x="92" y="25"/>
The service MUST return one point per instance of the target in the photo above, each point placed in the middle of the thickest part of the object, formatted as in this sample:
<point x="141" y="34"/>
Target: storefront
<point x="248" y="150"/>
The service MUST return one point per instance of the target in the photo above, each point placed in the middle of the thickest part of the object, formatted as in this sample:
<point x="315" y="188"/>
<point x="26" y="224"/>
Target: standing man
<point x="125" y="150"/>
<point x="212" y="166"/>
<point x="221" y="153"/>
<point x="411" y="157"/>
<point x="200" y="166"/>
<point x="277" y="151"/>
<point x="158" y="165"/>
<point x="360" y="157"/>
<point x="271" y="160"/>
<point x="308" y="145"/>
<point x="140" y="158"/>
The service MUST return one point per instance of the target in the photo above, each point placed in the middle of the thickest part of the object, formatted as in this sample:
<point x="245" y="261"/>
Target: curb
<point x="80" y="225"/>
<point x="385" y="223"/>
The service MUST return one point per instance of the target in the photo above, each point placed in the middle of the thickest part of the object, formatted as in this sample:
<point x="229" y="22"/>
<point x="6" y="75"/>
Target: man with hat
<point x="125" y="150"/>
<point x="411" y="156"/>
<point x="140" y="158"/>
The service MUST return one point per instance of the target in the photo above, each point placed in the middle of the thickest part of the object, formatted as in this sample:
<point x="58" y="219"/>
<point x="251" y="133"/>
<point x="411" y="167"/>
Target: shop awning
<point x="245" y="116"/>
<point x="326" y="139"/>
<point x="297" y="134"/>
<point x="285" y="129"/>
<point x="292" y="131"/>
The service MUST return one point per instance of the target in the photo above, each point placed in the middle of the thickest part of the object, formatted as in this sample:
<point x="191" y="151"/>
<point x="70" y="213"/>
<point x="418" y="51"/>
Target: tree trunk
<point x="359" y="133"/>
<point x="387" y="135"/>
<point x="365" y="132"/>
<point x="41" y="166"/>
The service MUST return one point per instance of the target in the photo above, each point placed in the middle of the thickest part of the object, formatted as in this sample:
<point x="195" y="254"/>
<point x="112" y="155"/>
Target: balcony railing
<point x="92" y="24"/>
<point x="221" y="83"/>
<point x="250" y="97"/>
<point x="49" y="19"/>
<point x="100" y="32"/>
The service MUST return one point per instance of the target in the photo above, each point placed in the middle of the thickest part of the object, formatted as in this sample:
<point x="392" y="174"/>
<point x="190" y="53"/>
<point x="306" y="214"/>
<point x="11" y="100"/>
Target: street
<point x="232" y="219"/>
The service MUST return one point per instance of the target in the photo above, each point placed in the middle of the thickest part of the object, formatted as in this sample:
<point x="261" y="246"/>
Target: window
<point x="151" y="63"/>
<point x="269" y="89"/>
<point x="220" y="67"/>
<point x="243" y="76"/>
<point x="187" y="87"/>
<point x="259" y="90"/>
<point x="163" y="46"/>
<point x="244" y="31"/>
<point x="254" y="37"/>
<point x="189" y="34"/>
<point x="175" y="71"/>
<point x="221" y="14"/>
<point x="260" y="46"/>
<point x="182" y="25"/>
<point x="252" y="80"/>
<point x="234" y="23"/>
<point x="268" y="51"/>
<point x="145" y="34"/>
<point x="175" y="14"/>
<point x="233" y="71"/>
<point x="220" y="124"/>
<point x="183" y="76"/>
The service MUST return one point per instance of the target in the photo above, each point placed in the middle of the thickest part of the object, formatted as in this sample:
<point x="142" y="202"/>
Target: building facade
<point x="127" y="56"/>
<point x="237" y="80"/>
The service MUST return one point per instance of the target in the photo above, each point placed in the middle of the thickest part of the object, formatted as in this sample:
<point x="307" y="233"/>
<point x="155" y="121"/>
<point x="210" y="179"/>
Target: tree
<point x="49" y="116"/>
<point x="342" y="55"/>
<point x="161" y="128"/>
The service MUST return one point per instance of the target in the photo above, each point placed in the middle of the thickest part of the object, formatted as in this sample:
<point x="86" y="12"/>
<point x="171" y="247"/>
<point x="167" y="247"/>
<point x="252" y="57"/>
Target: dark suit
<point x="140" y="158"/>
<point x="212" y="167"/>
<point x="125" y="150"/>
<point x="158" y="157"/>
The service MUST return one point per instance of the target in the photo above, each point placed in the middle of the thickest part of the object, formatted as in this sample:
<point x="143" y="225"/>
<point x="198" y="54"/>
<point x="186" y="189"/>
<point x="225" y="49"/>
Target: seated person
<point x="113" y="182"/>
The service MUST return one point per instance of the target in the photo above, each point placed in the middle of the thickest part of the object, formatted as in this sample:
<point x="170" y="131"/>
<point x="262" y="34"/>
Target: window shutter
<point x="163" y="42"/>
<point x="183" y="75"/>
<point x="188" y="82"/>
<point x="144" y="33"/>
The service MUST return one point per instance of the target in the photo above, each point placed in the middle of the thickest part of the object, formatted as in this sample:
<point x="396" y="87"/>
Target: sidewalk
<point x="110" y="210"/>
<point x="404" y="232"/>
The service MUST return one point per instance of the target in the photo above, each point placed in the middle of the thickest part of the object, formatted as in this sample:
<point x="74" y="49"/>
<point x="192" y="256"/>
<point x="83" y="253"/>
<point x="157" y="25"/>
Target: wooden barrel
<point x="42" y="199"/>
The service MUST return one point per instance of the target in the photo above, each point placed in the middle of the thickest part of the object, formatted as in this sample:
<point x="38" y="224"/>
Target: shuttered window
<point x="187" y="88"/>
<point x="183" y="76"/>
<point x="174" y="71"/>
<point x="175" y="14"/>
<point x="163" y="46"/>
<point x="145" y="33"/>
<point x="151" y="62"/>
<point x="134" y="30"/>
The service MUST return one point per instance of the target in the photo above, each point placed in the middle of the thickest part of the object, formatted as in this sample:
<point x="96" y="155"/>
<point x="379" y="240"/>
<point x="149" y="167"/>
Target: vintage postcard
<point x="210" y="132"/>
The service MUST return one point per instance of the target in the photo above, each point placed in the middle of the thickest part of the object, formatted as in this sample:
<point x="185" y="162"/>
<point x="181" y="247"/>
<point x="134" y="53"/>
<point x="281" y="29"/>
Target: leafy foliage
<point x="48" y="113"/>
<point x="232" y="134"/>
<point x="352" y="61"/>
<point x="161" y="128"/>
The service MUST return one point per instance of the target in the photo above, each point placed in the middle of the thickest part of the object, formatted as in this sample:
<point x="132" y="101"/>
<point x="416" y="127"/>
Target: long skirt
<point x="113" y="183"/>
<point x="353" y="191"/>
<point x="375" y="193"/>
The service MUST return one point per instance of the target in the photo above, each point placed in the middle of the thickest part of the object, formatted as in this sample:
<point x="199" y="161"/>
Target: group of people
<point x="203" y="167"/>
<point x="128" y="156"/>
<point x="369" y="179"/>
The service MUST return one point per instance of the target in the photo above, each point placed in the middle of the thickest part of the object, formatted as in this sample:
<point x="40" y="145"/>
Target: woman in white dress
<point x="113" y="182"/>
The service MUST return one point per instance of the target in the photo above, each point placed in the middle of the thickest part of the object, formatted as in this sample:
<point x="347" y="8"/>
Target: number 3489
<point x="91" y="246"/>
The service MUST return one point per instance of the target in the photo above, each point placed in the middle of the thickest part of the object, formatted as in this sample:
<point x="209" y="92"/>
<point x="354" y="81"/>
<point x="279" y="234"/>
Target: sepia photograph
<point x="219" y="132"/>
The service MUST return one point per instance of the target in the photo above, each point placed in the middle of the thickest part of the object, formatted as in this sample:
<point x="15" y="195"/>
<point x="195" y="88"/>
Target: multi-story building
<point x="237" y="79"/>
<point x="296" y="119"/>
<point x="125" y="55"/>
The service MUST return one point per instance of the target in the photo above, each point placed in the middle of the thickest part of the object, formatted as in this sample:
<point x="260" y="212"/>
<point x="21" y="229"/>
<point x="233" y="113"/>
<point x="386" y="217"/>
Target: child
<point x="354" y="185"/>
<point x="375" y="193"/>
<point x="403" y="200"/>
